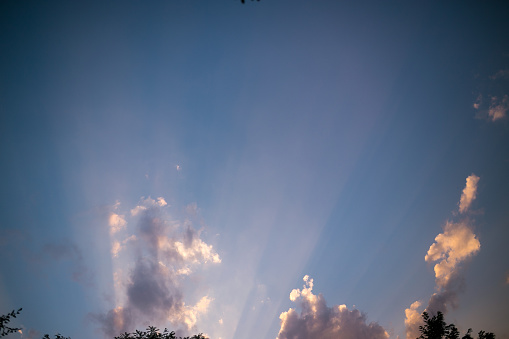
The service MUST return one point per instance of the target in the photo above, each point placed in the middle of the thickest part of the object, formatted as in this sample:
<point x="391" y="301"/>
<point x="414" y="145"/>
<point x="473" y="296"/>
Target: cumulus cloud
<point x="317" y="320"/>
<point x="163" y="251"/>
<point x="469" y="193"/>
<point x="148" y="203"/>
<point x="498" y="107"/>
<point x="116" y="222"/>
<point x="457" y="243"/>
<point x="451" y="248"/>
<point x="413" y="320"/>
<point x="161" y="202"/>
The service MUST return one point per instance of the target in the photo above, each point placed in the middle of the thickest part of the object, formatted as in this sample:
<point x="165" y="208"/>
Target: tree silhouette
<point x="5" y="319"/>
<point x="153" y="333"/>
<point x="436" y="328"/>
<point x="57" y="336"/>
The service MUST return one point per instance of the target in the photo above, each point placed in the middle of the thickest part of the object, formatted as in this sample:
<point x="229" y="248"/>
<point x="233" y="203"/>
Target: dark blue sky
<point x="285" y="138"/>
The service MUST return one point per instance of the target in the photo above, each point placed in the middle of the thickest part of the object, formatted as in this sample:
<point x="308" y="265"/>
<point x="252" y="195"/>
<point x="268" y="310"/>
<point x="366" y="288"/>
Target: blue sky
<point x="186" y="164"/>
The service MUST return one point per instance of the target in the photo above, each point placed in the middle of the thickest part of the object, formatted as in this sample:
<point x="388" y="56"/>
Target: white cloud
<point x="148" y="203"/>
<point x="161" y="202"/>
<point x="190" y="314"/>
<point x="478" y="102"/>
<point x="117" y="222"/>
<point x="163" y="253"/>
<point x="469" y="193"/>
<point x="413" y="320"/>
<point x="456" y="244"/>
<point x="137" y="210"/>
<point x="115" y="248"/>
<point x="451" y="248"/>
<point x="317" y="320"/>
<point x="197" y="251"/>
<point x="498" y="108"/>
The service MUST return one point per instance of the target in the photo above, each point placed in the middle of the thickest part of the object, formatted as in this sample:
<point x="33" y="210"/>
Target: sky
<point x="275" y="169"/>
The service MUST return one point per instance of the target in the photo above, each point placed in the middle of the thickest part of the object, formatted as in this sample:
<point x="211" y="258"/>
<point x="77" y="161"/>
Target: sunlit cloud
<point x="159" y="254"/>
<point x="317" y="320"/>
<point x="117" y="222"/>
<point x="494" y="105"/>
<point x="189" y="314"/>
<point x="469" y="193"/>
<point x="138" y="209"/>
<point x="455" y="245"/>
<point x="413" y="320"/>
<point x="478" y="102"/>
<point x="498" y="107"/>
<point x="161" y="202"/>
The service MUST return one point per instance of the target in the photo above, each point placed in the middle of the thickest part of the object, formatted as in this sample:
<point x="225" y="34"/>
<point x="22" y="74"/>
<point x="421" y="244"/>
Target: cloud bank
<point x="317" y="320"/>
<point x="451" y="248"/>
<point x="161" y="252"/>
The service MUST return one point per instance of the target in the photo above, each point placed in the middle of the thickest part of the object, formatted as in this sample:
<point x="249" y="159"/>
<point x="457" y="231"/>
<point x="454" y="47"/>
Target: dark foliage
<point x="436" y="328"/>
<point x="57" y="336"/>
<point x="4" y="320"/>
<point x="153" y="333"/>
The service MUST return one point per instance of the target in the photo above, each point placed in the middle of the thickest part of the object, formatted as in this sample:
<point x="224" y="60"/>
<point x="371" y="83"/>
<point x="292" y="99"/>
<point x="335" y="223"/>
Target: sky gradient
<point x="260" y="170"/>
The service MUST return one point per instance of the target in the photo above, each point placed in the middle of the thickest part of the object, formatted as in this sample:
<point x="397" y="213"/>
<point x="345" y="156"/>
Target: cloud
<point x="457" y="243"/>
<point x="469" y="193"/>
<point x="148" y="203"/>
<point x="117" y="246"/>
<point x="117" y="222"/>
<point x="192" y="209"/>
<point x="29" y="334"/>
<point x="493" y="103"/>
<point x="66" y="250"/>
<point x="451" y="248"/>
<point x="413" y="320"/>
<point x="161" y="202"/>
<point x="317" y="320"/>
<point x="503" y="73"/>
<point x="478" y="102"/>
<point x="163" y="252"/>
<point x="498" y="107"/>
